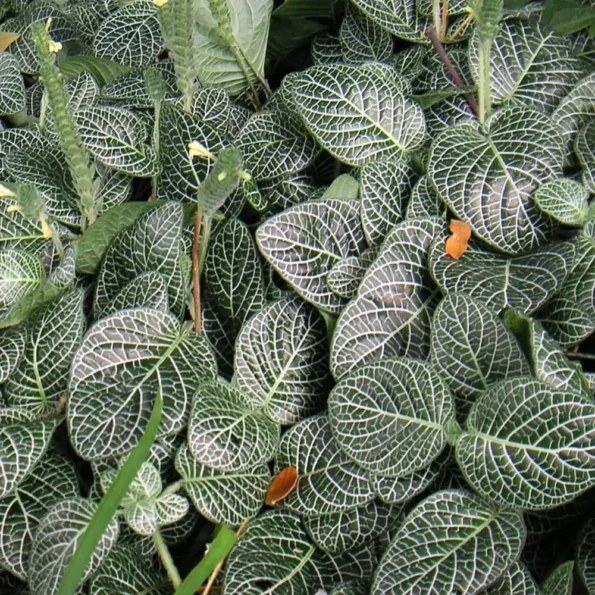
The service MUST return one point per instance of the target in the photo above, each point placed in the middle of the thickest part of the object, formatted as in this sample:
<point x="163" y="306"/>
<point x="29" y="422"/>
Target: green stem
<point x="484" y="91"/>
<point x="156" y="141"/>
<point x="571" y="354"/>
<point x="173" y="488"/>
<point x="204" y="243"/>
<point x="166" y="560"/>
<point x="436" y="17"/>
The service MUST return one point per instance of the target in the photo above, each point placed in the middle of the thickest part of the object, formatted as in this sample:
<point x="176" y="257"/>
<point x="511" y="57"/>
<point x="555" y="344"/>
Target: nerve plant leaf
<point x="56" y="539"/>
<point x="304" y="242"/>
<point x="147" y="291"/>
<point x="468" y="544"/>
<point x="16" y="231"/>
<point x="12" y="98"/>
<point x="564" y="200"/>
<point x="585" y="555"/>
<point x="529" y="445"/>
<point x="517" y="580"/>
<point x="402" y="405"/>
<point x="345" y="277"/>
<point x="122" y="363"/>
<point x="12" y="347"/>
<point x="487" y="179"/>
<point x="584" y="147"/>
<point x="371" y="98"/>
<point x="560" y="580"/>
<point x="281" y="360"/>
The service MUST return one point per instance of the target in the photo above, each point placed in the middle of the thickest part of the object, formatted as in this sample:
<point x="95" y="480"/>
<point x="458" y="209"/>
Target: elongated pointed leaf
<point x="585" y="151"/>
<point x="17" y="232"/>
<point x="281" y="360"/>
<point x="564" y="200"/>
<point x="12" y="347"/>
<point x="501" y="168"/>
<point x="122" y="363"/>
<point x="585" y="556"/>
<point x="12" y="97"/>
<point x="517" y="580"/>
<point x="21" y="274"/>
<point x="452" y="540"/>
<point x="529" y="445"/>
<point x="560" y="580"/>
<point x="371" y="98"/>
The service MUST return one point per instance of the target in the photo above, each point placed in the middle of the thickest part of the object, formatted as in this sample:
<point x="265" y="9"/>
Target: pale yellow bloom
<point x="6" y="193"/>
<point x="160" y="3"/>
<point x="55" y="46"/>
<point x="195" y="149"/>
<point x="46" y="230"/>
<point x="12" y="209"/>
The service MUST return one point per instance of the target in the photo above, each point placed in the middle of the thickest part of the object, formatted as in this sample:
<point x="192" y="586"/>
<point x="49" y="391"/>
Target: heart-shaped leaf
<point x="517" y="580"/>
<point x="304" y="242"/>
<point x="452" y="540"/>
<point x="585" y="556"/>
<point x="145" y="291"/>
<point x="281" y="360"/>
<point x="523" y="283"/>
<point x="122" y="363"/>
<point x="585" y="151"/>
<point x="402" y="405"/>
<point x="502" y="167"/>
<point x="472" y="349"/>
<point x="227" y="498"/>
<point x="12" y="347"/>
<point x="12" y="98"/>
<point x="371" y="97"/>
<point x="529" y="445"/>
<point x="227" y="432"/>
<point x="328" y="480"/>
<point x="391" y="313"/>
<point x="21" y="274"/>
<point x="564" y="200"/>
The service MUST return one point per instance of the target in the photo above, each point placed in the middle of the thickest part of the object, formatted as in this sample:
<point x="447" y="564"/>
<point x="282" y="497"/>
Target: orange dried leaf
<point x="6" y="38"/>
<point x="457" y="243"/>
<point x="282" y="485"/>
<point x="461" y="230"/>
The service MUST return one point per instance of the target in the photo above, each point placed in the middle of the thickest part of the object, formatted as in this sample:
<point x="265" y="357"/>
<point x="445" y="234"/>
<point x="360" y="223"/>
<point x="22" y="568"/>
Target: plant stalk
<point x="484" y="91"/>
<point x="166" y="559"/>
<point x="196" y="273"/>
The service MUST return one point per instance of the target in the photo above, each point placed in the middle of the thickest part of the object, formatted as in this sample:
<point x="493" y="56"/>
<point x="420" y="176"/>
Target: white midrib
<point x="295" y="571"/>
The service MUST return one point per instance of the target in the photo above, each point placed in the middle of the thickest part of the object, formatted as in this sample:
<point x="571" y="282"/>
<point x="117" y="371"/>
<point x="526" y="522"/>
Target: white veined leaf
<point x="358" y="113"/>
<point x="63" y="273"/>
<point x="213" y="107"/>
<point x="517" y="580"/>
<point x="14" y="139"/>
<point x="424" y="202"/>
<point x="23" y="442"/>
<point x="356" y="587"/>
<point x="472" y="349"/>
<point x="115" y="187"/>
<point x="148" y="290"/>
<point x="121" y="365"/>
<point x="281" y="360"/>
<point x="452" y="542"/>
<point x="564" y="200"/>
<point x="227" y="432"/>
<point x="20" y="275"/>
<point x="326" y="49"/>
<point x="52" y="480"/>
<point x="17" y="232"/>
<point x="394" y="304"/>
<point x="131" y="35"/>
<point x="242" y="38"/>
<point x="425" y="7"/>
<point x="153" y="243"/>
<point x="343" y="531"/>
<point x="356" y="564"/>
<point x="274" y="145"/>
<point x="53" y="335"/>
<point x="585" y="555"/>
<point x="238" y="116"/>
<point x="502" y="167"/>
<point x="560" y="580"/>
<point x="345" y="277"/>
<point x="575" y="111"/>
<point x="529" y="445"/>
<point x="12" y="95"/>
<point x="584" y="147"/>
<point x="530" y="66"/>
<point x="55" y="542"/>
<point x="227" y="498"/>
<point x="399" y="17"/>
<point x="523" y="283"/>
<point x="127" y="572"/>
<point x="409" y="62"/>
<point x="400" y="405"/>
<point x="181" y="175"/>
<point x="362" y="39"/>
<point x="116" y="137"/>
<point x="283" y="193"/>
<point x="385" y="186"/>
<point x="328" y="480"/>
<point x="12" y="347"/>
<point x="304" y="242"/>
<point x="274" y="552"/>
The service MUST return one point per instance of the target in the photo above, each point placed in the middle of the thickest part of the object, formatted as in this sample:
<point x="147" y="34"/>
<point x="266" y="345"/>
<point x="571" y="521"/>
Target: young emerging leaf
<point x="585" y="556"/>
<point x="564" y="200"/>
<point x="560" y="580"/>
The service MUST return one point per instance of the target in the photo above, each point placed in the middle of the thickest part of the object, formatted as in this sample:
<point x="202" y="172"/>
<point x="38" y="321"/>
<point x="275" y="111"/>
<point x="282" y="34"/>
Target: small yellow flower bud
<point x="222" y="176"/>
<point x="12" y="209"/>
<point x="6" y="193"/>
<point x="46" y="229"/>
<point x="55" y="46"/>
<point x="160" y="3"/>
<point x="195" y="149"/>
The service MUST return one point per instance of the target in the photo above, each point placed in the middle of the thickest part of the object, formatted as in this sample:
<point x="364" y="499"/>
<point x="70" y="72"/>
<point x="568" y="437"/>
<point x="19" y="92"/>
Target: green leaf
<point x="328" y="480"/>
<point x="227" y="498"/>
<point x="96" y="239"/>
<point x="392" y="311"/>
<point x="584" y="147"/>
<point x="130" y="36"/>
<point x="115" y="137"/>
<point x="424" y="202"/>
<point x="358" y="113"/>
<point x="145" y="291"/>
<point x="17" y="232"/>
<point x="281" y="360"/>
<point x="286" y="192"/>
<point x="401" y="405"/>
<point x="528" y="445"/>
<point x="53" y="335"/>
<point x="102" y="70"/>
<point x="12" y="347"/>
<point x="326" y="49"/>
<point x="569" y="18"/>
<point x="56" y="540"/>
<point x="523" y="283"/>
<point x="52" y="480"/>
<point x="385" y="186"/>
<point x="530" y="67"/>
<point x="559" y="581"/>
<point x="229" y="52"/>
<point x="472" y="349"/>
<point x="585" y="555"/>
<point x="12" y="97"/>
<point x="517" y="580"/>
<point x="451" y="538"/>
<point x="344" y="186"/>
<point x="564" y="200"/>
<point x="274" y="145"/>
<point x="123" y="362"/>
<point x="345" y="277"/>
<point x="501" y="168"/>
<point x="227" y="432"/>
<point x="314" y="235"/>
<point x="152" y="243"/>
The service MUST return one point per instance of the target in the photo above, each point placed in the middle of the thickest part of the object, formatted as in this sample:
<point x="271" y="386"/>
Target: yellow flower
<point x="46" y="230"/>
<point x="195" y="149"/>
<point x="6" y="193"/>
<point x="160" y="3"/>
<point x="55" y="46"/>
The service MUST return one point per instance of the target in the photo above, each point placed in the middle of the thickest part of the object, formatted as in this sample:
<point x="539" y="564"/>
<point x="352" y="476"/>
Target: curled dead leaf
<point x="282" y="485"/>
<point x="457" y="243"/>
